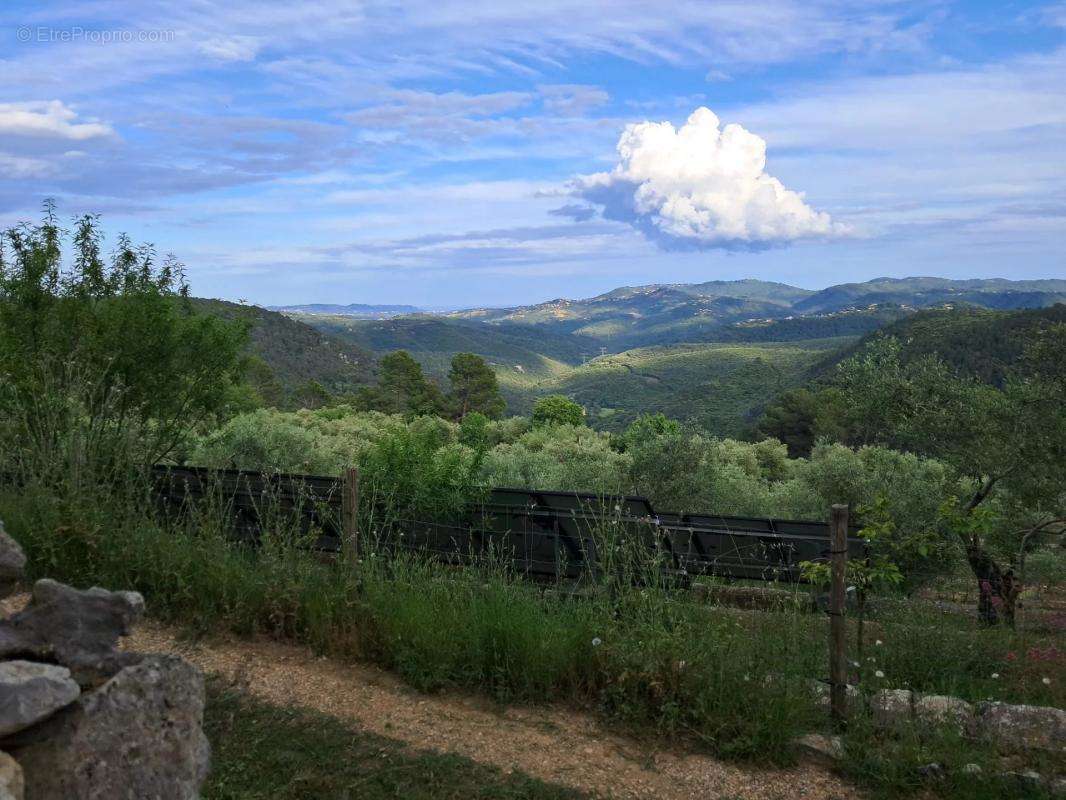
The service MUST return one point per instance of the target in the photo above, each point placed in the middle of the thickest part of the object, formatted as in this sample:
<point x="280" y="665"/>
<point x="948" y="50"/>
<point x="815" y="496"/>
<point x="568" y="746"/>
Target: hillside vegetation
<point x="289" y="356"/>
<point x="720" y="388"/>
<point x="646" y="349"/>
<point x="977" y="341"/>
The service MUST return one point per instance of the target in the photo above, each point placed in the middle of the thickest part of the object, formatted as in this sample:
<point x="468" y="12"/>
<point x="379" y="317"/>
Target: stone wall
<point x="81" y="719"/>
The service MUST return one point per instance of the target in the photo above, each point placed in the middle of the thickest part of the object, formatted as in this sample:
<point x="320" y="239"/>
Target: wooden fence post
<point x="350" y="514"/>
<point x="838" y="536"/>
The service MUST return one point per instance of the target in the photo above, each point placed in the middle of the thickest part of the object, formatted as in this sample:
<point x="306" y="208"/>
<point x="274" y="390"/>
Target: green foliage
<point x="285" y="354"/>
<point x="475" y="431"/>
<point x="1009" y="442"/>
<point x="647" y="427"/>
<point x="667" y="467"/>
<point x="417" y="473"/>
<point x="311" y="394"/>
<point x="405" y="389"/>
<point x="102" y="361"/>
<point x="561" y="457"/>
<point x="677" y="470"/>
<point x="557" y="409"/>
<point x="800" y="417"/>
<point x="885" y="551"/>
<point x="474" y="387"/>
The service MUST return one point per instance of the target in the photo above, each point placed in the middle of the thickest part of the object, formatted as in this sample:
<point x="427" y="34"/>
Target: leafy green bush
<point x="677" y="470"/>
<point x="105" y="364"/>
<point x="561" y="457"/>
<point x="557" y="409"/>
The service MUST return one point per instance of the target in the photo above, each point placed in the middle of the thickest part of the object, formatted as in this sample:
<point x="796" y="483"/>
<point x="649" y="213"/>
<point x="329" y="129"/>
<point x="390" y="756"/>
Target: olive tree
<point x="1008" y="443"/>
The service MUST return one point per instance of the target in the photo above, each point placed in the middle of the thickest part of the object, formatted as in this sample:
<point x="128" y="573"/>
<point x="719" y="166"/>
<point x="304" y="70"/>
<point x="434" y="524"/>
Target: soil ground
<point x="556" y="745"/>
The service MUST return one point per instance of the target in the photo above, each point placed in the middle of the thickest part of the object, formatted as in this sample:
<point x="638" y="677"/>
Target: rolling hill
<point x="660" y="313"/>
<point x="721" y="388"/>
<point x="927" y="292"/>
<point x="980" y="342"/>
<point x="295" y="353"/>
<point x="711" y="353"/>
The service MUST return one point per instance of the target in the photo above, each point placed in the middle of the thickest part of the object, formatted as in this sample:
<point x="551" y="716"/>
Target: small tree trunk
<point x="997" y="591"/>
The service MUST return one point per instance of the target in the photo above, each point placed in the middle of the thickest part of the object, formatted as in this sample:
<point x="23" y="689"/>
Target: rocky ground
<point x="81" y="719"/>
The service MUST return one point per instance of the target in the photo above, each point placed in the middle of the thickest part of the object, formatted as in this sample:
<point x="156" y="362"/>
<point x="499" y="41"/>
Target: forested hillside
<point x="290" y="360"/>
<point x="720" y="388"/>
<point x="975" y="344"/>
<point x="976" y="341"/>
<point x="714" y="354"/>
<point x="928" y="292"/>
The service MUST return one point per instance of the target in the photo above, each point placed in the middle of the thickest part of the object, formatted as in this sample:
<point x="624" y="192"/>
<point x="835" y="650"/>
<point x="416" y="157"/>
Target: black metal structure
<point x="544" y="535"/>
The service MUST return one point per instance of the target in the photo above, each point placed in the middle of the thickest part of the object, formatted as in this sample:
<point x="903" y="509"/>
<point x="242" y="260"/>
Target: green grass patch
<point x="898" y="764"/>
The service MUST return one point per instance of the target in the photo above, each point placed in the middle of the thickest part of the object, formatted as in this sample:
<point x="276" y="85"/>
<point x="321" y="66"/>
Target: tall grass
<point x="638" y="651"/>
<point x="637" y="654"/>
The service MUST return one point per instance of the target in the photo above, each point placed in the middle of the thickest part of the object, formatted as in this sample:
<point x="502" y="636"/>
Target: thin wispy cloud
<point x="397" y="137"/>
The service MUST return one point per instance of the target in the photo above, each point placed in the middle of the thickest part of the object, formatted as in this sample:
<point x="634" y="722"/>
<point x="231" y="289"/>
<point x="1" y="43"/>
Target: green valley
<point x="713" y="354"/>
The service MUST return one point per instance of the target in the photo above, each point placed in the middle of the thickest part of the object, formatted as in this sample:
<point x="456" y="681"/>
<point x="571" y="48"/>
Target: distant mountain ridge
<point x="712" y="353"/>
<point x="356" y="310"/>
<point x="662" y="313"/>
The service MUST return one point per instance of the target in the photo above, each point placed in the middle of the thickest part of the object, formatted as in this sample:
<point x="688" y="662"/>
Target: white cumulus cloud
<point x="47" y="118"/>
<point x="701" y="186"/>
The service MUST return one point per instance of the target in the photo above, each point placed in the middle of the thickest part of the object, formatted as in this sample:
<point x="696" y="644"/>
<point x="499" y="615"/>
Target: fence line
<point x="546" y="535"/>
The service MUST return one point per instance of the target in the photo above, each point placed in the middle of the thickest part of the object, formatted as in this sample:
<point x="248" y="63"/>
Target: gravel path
<point x="550" y="743"/>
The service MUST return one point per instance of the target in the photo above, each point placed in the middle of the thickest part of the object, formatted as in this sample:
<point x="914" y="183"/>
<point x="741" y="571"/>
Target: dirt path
<point x="553" y="744"/>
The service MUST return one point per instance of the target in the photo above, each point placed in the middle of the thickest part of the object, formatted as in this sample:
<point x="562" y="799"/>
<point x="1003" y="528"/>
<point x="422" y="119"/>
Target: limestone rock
<point x="31" y="692"/>
<point x="825" y="749"/>
<point x="77" y="629"/>
<point x="11" y="784"/>
<point x="137" y="736"/>
<point x="12" y="563"/>
<point x="971" y="769"/>
<point x="936" y="709"/>
<point x="1021" y="727"/>
<point x="892" y="706"/>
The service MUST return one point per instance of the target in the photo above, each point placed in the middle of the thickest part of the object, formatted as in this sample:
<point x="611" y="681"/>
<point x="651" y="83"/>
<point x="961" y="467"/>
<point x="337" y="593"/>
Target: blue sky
<point x="468" y="153"/>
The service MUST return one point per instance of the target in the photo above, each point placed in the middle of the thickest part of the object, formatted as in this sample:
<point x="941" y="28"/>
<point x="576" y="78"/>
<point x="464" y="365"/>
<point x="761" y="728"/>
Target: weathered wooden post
<point x="838" y="536"/>
<point x="350" y="514"/>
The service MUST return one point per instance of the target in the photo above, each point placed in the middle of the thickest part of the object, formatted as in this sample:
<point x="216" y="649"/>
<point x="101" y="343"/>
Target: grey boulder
<point x="936" y="709"/>
<point x="818" y="747"/>
<point x="892" y="706"/>
<point x="1021" y="727"/>
<point x="31" y="692"/>
<point x="12" y="563"/>
<point x="78" y="629"/>
<point x="137" y="736"/>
